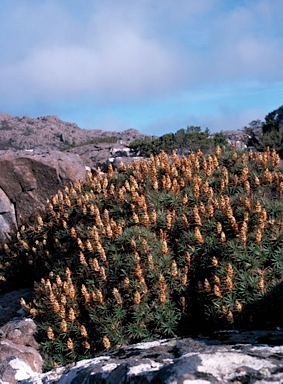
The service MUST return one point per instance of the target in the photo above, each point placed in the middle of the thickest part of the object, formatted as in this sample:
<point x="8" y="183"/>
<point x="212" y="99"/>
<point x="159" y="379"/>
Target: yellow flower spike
<point x="85" y="294"/>
<point x="63" y="299"/>
<point x="95" y="265"/>
<point x="184" y="279"/>
<point x="223" y="237"/>
<point x="238" y="306"/>
<point x="168" y="220"/>
<point x="103" y="274"/>
<point x="164" y="247"/>
<point x="136" y="218"/>
<point x="185" y="221"/>
<point x="229" y="283"/>
<point x="268" y="176"/>
<point x="137" y="298"/>
<point x="261" y="284"/>
<point x="210" y="210"/>
<point x="216" y="280"/>
<point x="244" y="158"/>
<point x="64" y="326"/>
<point x="188" y="258"/>
<point x="245" y="173"/>
<point x="174" y="269"/>
<point x="150" y="262"/>
<point x="106" y="342"/>
<point x="229" y="212"/>
<point x="99" y="297"/>
<point x="126" y="283"/>
<point x="111" y="190"/>
<point x="50" y="333"/>
<point x="202" y="208"/>
<point x="222" y="186"/>
<point x="62" y="312"/>
<point x="143" y="286"/>
<point x="86" y="345"/>
<point x="109" y="231"/>
<point x="71" y="315"/>
<point x="80" y="243"/>
<point x="247" y="186"/>
<point x="196" y="192"/>
<point x="210" y="193"/>
<point x="230" y="270"/>
<point x="258" y="236"/>
<point x="224" y="309"/>
<point x="162" y="297"/>
<point x="70" y="344"/>
<point x="139" y="272"/>
<point x="183" y="303"/>
<point x="206" y="286"/>
<point x="257" y="181"/>
<point x="197" y="216"/>
<point x="198" y="235"/>
<point x="162" y="282"/>
<point x="218" y="151"/>
<point x="214" y="261"/>
<point x="88" y="245"/>
<point x="117" y="296"/>
<point x="217" y="291"/>
<point x="82" y="259"/>
<point x="230" y="317"/>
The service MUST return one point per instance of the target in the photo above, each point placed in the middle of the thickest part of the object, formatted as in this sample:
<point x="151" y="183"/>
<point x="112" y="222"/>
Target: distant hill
<point x="49" y="132"/>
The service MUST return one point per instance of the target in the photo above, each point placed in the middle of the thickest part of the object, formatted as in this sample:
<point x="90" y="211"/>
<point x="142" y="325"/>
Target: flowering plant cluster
<point x="167" y="246"/>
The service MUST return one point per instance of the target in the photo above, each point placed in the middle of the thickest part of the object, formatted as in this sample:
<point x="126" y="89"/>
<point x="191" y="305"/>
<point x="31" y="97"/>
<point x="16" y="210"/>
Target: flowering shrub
<point x="165" y="247"/>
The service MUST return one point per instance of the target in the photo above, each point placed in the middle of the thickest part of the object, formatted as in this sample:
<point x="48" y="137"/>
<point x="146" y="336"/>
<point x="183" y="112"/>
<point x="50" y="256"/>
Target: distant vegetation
<point x="183" y="141"/>
<point x="109" y="139"/>
<point x="262" y="134"/>
<point x="268" y="133"/>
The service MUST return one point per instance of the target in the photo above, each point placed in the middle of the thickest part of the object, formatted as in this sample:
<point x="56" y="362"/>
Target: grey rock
<point x="19" y="357"/>
<point x="28" y="178"/>
<point x="7" y="213"/>
<point x="180" y="360"/>
<point x="49" y="132"/>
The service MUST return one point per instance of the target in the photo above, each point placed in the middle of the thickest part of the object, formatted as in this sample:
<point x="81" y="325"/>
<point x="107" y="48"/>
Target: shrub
<point x="168" y="246"/>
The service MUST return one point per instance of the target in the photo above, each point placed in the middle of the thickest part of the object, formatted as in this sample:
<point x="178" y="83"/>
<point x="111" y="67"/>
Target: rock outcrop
<point x="28" y="178"/>
<point x="19" y="356"/>
<point x="181" y="360"/>
<point x="49" y="132"/>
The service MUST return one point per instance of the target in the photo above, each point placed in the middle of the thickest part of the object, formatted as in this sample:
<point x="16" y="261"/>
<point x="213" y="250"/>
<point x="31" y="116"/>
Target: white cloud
<point x="108" y="52"/>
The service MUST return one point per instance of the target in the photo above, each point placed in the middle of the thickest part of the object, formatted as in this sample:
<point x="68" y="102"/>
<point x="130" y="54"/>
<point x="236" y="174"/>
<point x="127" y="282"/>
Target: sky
<point x="153" y="65"/>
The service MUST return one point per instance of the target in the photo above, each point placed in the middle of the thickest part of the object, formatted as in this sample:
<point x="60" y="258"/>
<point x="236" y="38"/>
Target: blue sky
<point x="153" y="65"/>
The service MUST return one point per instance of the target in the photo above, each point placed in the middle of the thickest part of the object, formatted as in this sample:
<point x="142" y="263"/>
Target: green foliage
<point x="98" y="140"/>
<point x="268" y="133"/>
<point x="183" y="141"/>
<point x="165" y="247"/>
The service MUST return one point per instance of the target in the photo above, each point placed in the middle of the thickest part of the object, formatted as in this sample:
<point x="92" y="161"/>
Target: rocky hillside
<point x="49" y="132"/>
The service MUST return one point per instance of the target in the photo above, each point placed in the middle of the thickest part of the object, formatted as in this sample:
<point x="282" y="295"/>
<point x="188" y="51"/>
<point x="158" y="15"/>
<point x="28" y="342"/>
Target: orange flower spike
<point x="238" y="306"/>
<point x="207" y="286"/>
<point x="198" y="235"/>
<point x="223" y="237"/>
<point x="117" y="296"/>
<point x="137" y="298"/>
<point x="50" y="333"/>
<point x="174" y="269"/>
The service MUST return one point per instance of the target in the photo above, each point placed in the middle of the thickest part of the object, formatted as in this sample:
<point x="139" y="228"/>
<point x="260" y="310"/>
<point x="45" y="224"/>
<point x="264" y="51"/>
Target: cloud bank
<point x="135" y="51"/>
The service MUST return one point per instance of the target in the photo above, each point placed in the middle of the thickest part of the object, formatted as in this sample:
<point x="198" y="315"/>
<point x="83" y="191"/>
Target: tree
<point x="273" y="120"/>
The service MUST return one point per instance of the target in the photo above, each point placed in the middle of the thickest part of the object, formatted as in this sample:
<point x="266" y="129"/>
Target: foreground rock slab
<point x="182" y="360"/>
